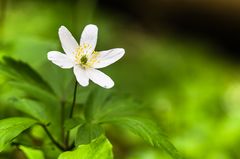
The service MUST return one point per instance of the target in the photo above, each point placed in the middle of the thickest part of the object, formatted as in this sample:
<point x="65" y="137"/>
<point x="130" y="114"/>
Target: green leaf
<point x="72" y="123"/>
<point x="33" y="92"/>
<point x="99" y="148"/>
<point x="95" y="100"/>
<point x="11" y="128"/>
<point x="149" y="131"/>
<point x="30" y="107"/>
<point x="50" y="103"/>
<point x="87" y="132"/>
<point x="22" y="72"/>
<point x="32" y="153"/>
<point x="102" y="106"/>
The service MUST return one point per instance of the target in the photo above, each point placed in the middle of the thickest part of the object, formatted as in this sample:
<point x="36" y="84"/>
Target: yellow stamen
<point x="84" y="58"/>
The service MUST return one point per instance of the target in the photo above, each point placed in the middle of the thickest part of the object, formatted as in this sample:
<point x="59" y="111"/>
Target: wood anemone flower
<point x="83" y="58"/>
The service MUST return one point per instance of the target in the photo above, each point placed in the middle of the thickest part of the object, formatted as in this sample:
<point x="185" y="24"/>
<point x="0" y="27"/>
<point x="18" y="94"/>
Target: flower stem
<point x="71" y="114"/>
<point x="52" y="138"/>
<point x="74" y="100"/>
<point x="62" y="120"/>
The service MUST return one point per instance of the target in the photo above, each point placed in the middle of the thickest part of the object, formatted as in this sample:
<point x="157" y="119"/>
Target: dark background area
<point x="214" y="21"/>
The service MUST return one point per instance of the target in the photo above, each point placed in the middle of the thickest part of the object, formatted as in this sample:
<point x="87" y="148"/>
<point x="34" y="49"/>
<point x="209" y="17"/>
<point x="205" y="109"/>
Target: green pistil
<point x="84" y="59"/>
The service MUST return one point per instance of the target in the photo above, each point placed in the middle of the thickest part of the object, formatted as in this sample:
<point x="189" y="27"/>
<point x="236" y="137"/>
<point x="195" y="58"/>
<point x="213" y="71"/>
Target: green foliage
<point x="32" y="153"/>
<point x="22" y="72"/>
<point x="87" y="132"/>
<point x="12" y="127"/>
<point x="99" y="148"/>
<point x="149" y="131"/>
<point x="103" y="107"/>
<point x="73" y="122"/>
<point x="21" y="76"/>
<point x="30" y="107"/>
<point x="36" y="99"/>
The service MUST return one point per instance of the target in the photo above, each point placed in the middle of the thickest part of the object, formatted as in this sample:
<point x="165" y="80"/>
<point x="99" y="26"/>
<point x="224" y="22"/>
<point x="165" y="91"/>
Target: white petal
<point x="69" y="44"/>
<point x="100" y="78"/>
<point x="60" y="59"/>
<point x="108" y="57"/>
<point x="89" y="37"/>
<point x="81" y="75"/>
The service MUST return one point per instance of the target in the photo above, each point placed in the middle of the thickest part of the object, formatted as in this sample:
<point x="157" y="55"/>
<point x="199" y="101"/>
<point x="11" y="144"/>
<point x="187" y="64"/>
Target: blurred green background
<point x="181" y="62"/>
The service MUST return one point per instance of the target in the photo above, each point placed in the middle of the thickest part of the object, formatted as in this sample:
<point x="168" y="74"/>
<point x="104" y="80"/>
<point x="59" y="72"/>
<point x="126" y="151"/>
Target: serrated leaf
<point x="104" y="105"/>
<point x="149" y="131"/>
<point x="20" y="71"/>
<point x="33" y="92"/>
<point x="32" y="153"/>
<point x="95" y="100"/>
<point x="30" y="107"/>
<point x="99" y="148"/>
<point x="72" y="123"/>
<point x="12" y="127"/>
<point x="50" y="102"/>
<point x="87" y="132"/>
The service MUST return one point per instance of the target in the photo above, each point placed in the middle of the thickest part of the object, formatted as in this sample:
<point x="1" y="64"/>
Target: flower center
<point x="84" y="58"/>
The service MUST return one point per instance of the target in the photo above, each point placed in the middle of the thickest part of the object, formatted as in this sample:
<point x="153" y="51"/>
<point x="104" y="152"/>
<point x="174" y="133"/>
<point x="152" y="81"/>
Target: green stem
<point x="62" y="120"/>
<point x="71" y="114"/>
<point x="52" y="138"/>
<point x="74" y="100"/>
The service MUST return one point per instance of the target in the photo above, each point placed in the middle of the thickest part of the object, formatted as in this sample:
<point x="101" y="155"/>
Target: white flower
<point x="82" y="57"/>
